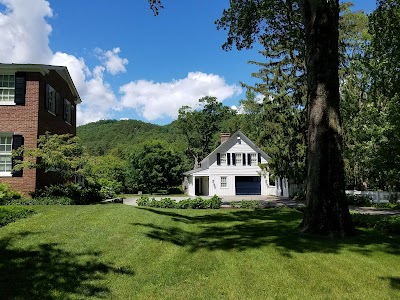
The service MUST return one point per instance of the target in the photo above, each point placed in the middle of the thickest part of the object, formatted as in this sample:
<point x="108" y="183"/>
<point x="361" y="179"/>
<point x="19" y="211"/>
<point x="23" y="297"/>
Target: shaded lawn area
<point x="125" y="252"/>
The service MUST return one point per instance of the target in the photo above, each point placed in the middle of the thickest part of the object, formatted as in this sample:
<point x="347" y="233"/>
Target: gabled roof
<point x="218" y="149"/>
<point x="45" y="69"/>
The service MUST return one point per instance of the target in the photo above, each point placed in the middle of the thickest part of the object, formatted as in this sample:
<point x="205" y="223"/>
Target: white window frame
<point x="6" y="141"/>
<point x="51" y="100"/>
<point x="238" y="157"/>
<point x="224" y="160"/>
<point x="224" y="182"/>
<point x="67" y="112"/>
<point x="9" y="89"/>
<point x="254" y="159"/>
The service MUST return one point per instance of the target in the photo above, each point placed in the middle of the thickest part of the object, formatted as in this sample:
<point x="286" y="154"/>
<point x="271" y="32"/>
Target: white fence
<point x="376" y="196"/>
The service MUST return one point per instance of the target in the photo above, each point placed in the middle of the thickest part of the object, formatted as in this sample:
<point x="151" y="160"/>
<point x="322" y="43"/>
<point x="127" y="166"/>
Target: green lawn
<point x="123" y="252"/>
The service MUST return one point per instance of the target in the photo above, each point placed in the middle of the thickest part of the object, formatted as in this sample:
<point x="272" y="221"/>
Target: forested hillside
<point x="102" y="137"/>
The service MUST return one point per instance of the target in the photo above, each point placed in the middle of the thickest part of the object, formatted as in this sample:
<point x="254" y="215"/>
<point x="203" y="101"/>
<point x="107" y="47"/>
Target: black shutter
<point x="249" y="159"/>
<point x="20" y="88"/>
<point x="58" y="104"/>
<point x="65" y="110"/>
<point x="259" y="158"/>
<point x="18" y="141"/>
<point x="46" y="99"/>
<point x="228" y="158"/>
<point x="234" y="159"/>
<point x="72" y="114"/>
<point x="218" y="159"/>
<point x="244" y="159"/>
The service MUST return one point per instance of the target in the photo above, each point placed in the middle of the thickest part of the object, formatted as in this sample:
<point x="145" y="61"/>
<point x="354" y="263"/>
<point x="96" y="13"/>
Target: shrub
<point x="167" y="203"/>
<point x="109" y="188"/>
<point x="79" y="195"/>
<point x="196" y="203"/>
<point x="389" y="224"/>
<point x="359" y="200"/>
<point x="143" y="201"/>
<point x="248" y="204"/>
<point x="43" y="201"/>
<point x="393" y="198"/>
<point x="7" y="194"/>
<point x="11" y="214"/>
<point x="214" y="202"/>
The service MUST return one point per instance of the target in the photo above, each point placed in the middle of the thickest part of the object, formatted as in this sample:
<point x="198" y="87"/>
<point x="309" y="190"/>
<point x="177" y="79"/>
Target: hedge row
<point x="11" y="214"/>
<point x="195" y="203"/>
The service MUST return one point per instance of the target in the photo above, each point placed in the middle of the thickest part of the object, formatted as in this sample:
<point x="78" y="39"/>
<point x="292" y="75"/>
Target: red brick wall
<point x="51" y="123"/>
<point x="32" y="120"/>
<point x="23" y="119"/>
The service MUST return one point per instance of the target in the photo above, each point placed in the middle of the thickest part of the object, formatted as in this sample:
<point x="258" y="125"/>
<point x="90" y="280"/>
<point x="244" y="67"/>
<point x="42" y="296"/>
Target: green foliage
<point x="80" y="195"/>
<point x="109" y="172"/>
<point x="51" y="200"/>
<point x="110" y="136"/>
<point x="153" y="167"/>
<point x="359" y="200"/>
<point x="214" y="202"/>
<point x="201" y="127"/>
<point x="388" y="224"/>
<point x="11" y="214"/>
<point x="247" y="204"/>
<point x="7" y="194"/>
<point x="60" y="154"/>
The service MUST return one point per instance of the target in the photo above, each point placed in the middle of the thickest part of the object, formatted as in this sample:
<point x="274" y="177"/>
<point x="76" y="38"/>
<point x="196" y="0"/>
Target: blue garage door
<point x="248" y="185"/>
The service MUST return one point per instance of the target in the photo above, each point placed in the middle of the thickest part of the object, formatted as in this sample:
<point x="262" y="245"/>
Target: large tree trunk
<point x="327" y="211"/>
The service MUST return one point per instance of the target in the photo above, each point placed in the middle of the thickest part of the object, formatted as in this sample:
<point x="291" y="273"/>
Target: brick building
<point x="34" y="99"/>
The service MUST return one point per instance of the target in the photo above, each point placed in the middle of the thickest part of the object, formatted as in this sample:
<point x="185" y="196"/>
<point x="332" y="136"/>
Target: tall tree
<point x="385" y="30"/>
<point x="249" y="20"/>
<point x="153" y="167"/>
<point x="202" y="126"/>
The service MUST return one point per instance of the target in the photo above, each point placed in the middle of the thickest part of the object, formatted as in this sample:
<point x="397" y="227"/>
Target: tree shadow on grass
<point x="45" y="271"/>
<point x="394" y="282"/>
<point x="243" y="229"/>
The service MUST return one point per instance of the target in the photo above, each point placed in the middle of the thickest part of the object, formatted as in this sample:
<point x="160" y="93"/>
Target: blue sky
<point x="127" y="63"/>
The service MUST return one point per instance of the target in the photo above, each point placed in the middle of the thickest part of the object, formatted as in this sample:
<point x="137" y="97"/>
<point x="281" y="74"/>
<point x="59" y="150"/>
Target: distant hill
<point x="102" y="136"/>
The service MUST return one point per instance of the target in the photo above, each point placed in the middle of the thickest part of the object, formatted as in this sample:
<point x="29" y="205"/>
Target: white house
<point x="233" y="168"/>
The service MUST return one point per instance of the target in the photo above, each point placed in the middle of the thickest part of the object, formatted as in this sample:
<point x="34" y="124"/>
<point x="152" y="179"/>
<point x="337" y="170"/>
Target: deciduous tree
<point x="248" y="21"/>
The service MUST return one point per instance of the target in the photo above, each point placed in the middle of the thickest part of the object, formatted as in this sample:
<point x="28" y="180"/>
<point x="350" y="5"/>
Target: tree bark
<point x="327" y="211"/>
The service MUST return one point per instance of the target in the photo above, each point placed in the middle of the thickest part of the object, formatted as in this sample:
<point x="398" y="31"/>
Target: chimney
<point x="225" y="136"/>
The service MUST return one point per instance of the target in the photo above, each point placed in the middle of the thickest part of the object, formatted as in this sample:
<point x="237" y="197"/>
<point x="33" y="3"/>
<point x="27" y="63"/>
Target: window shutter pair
<point x="57" y="100"/>
<point x="20" y="88"/>
<point x="18" y="141"/>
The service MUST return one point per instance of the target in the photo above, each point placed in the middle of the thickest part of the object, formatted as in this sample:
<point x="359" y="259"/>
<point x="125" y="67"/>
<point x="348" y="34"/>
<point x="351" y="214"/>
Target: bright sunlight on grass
<point x="123" y="252"/>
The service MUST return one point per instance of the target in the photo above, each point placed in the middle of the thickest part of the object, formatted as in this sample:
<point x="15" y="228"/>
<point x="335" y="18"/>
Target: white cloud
<point x="25" y="32"/>
<point x="114" y="64"/>
<point x="156" y="100"/>
<point x="25" y="39"/>
<point x="25" y="35"/>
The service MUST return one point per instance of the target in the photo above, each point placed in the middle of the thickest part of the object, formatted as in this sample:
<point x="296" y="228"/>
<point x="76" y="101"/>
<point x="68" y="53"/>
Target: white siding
<point x="214" y="172"/>
<point x="191" y="191"/>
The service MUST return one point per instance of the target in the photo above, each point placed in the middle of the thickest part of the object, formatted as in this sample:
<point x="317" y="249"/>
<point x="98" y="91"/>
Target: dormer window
<point x="238" y="157"/>
<point x="253" y="157"/>
<point x="223" y="159"/>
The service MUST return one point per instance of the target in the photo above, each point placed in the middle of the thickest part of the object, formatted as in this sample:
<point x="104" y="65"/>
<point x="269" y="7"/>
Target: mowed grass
<point x="125" y="252"/>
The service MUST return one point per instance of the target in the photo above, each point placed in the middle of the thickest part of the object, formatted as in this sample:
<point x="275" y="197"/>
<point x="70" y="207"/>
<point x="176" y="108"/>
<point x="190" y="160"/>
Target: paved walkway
<point x="273" y="201"/>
